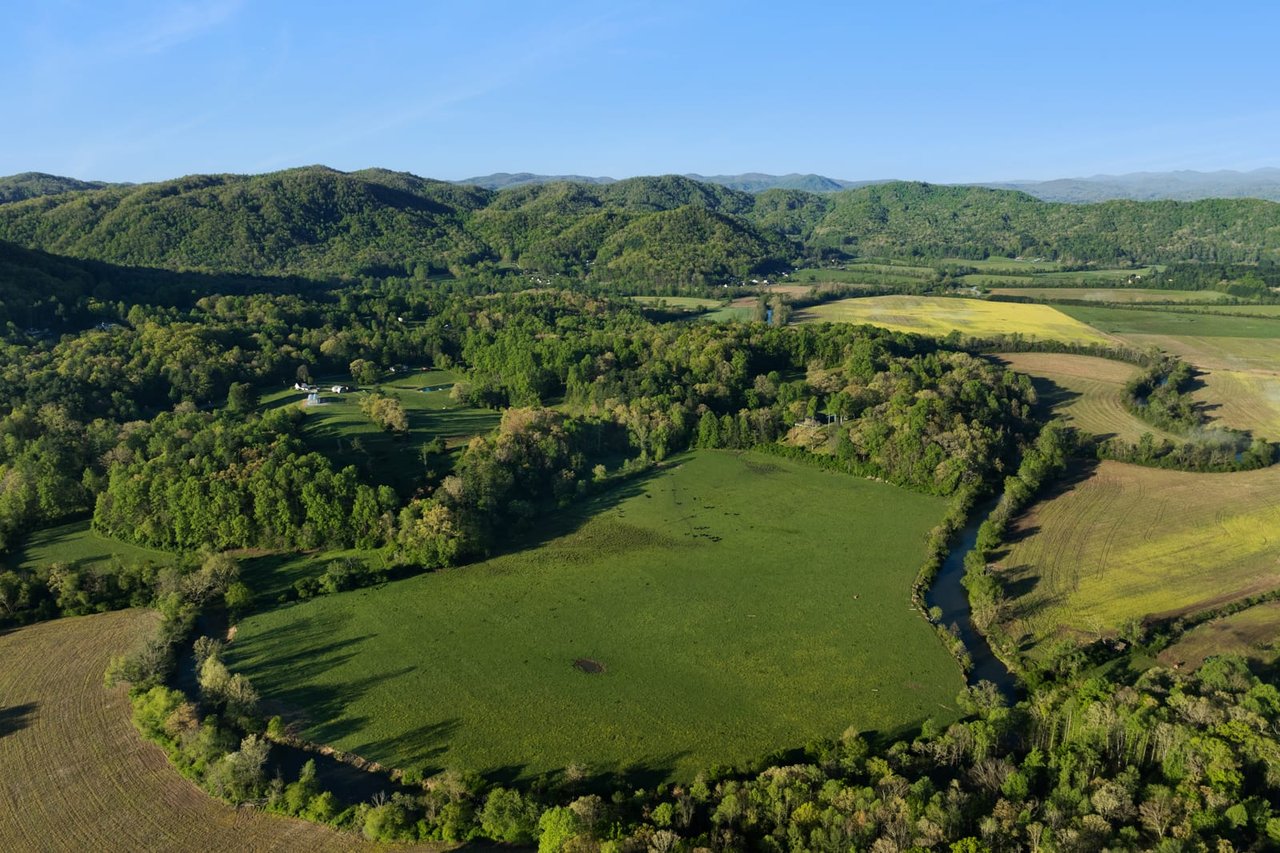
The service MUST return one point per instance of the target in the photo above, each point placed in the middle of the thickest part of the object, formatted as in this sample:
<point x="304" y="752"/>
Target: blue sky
<point x="941" y="91"/>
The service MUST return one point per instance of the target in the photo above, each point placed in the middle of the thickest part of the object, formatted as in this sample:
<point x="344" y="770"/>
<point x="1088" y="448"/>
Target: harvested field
<point x="938" y="315"/>
<point x="1253" y="633"/>
<point x="75" y="775"/>
<point x="1243" y="399"/>
<point x="1130" y="542"/>
<point x="1087" y="392"/>
<point x="1214" y="352"/>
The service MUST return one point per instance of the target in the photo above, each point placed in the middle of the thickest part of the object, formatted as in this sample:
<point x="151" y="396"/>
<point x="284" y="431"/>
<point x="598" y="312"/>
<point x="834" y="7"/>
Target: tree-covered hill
<point x="688" y="246"/>
<point x="319" y="222"/>
<point x="33" y="184"/>
<point x="972" y="222"/>
<point x="311" y="220"/>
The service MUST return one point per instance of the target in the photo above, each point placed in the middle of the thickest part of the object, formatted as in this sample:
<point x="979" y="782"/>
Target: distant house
<point x="339" y="389"/>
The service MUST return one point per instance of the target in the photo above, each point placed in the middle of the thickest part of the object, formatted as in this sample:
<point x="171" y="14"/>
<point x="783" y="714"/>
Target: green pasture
<point x="683" y="303"/>
<point x="339" y="430"/>
<point x="1124" y="295"/>
<point x="737" y="604"/>
<point x="75" y="544"/>
<point x="1006" y="266"/>
<point x="1135" y="321"/>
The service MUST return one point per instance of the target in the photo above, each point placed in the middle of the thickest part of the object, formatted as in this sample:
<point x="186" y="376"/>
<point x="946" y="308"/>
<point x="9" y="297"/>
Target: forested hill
<point x="668" y="230"/>
<point x="32" y="184"/>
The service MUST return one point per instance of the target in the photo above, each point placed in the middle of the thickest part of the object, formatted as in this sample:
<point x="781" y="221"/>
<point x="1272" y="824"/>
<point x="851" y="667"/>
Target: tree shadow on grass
<point x="418" y="748"/>
<point x="14" y="718"/>
<point x="559" y="523"/>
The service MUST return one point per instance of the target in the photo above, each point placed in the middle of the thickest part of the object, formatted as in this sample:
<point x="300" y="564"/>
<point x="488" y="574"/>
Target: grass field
<point x="1253" y="633"/>
<point x="78" y="546"/>
<point x="737" y="604"/>
<point x="936" y="315"/>
<point x="1007" y="266"/>
<point x="1109" y="294"/>
<point x="1087" y="392"/>
<point x="684" y="303"/>
<point x="1243" y="399"/>
<point x="1263" y="310"/>
<point x="74" y="775"/>
<point x="339" y="430"/>
<point x="1125" y="322"/>
<point x="1129" y="541"/>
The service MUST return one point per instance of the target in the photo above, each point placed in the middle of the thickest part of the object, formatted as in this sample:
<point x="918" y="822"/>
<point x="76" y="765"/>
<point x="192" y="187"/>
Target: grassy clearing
<point x="1271" y="310"/>
<point x="738" y="604"/>
<point x="1125" y="295"/>
<point x="1087" y="392"/>
<point x="937" y="315"/>
<point x="685" y="303"/>
<point x="1124" y="322"/>
<point x="271" y="576"/>
<point x="78" y="546"/>
<point x="1007" y="266"/>
<point x="1129" y="542"/>
<point x="339" y="430"/>
<point x="74" y="775"/>
<point x="1253" y="633"/>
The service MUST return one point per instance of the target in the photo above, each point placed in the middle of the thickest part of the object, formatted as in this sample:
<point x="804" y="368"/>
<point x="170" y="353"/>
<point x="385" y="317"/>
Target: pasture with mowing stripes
<point x="1087" y="392"/>
<point x="1129" y="542"/>
<point x="75" y="775"/>
<point x="939" y="315"/>
<point x="735" y="604"/>
<point x="1243" y="399"/>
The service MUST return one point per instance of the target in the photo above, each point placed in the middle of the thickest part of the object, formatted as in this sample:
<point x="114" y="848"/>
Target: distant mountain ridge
<point x="34" y="184"/>
<point x="658" y="231"/>
<point x="1136" y="186"/>
<point x="1153" y="186"/>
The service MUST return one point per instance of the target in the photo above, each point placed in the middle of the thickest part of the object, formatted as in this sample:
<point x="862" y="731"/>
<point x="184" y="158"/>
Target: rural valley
<point x="623" y="516"/>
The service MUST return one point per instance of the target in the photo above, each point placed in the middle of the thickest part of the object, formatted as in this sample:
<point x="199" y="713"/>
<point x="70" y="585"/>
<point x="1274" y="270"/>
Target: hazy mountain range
<point x="1139" y="186"/>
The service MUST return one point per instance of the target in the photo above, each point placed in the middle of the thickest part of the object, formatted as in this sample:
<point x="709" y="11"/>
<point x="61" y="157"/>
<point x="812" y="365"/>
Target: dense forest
<point x="666" y="230"/>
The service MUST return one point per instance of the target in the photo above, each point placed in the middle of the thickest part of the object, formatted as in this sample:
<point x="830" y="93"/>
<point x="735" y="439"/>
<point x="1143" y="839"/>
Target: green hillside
<point x="319" y="222"/>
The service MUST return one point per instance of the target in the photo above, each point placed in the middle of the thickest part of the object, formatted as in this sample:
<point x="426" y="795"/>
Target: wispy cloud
<point x="503" y="64"/>
<point x="173" y="25"/>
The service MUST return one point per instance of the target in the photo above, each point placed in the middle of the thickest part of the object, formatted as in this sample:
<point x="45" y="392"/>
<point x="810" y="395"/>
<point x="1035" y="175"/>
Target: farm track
<point x="75" y="775"/>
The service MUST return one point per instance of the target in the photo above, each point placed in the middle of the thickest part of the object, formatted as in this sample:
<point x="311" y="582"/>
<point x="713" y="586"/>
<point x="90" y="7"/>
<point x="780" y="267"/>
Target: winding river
<point x="949" y="594"/>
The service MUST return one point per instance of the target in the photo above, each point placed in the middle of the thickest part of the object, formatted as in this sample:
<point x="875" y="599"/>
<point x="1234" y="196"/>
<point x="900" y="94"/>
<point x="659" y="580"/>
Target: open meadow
<point x="940" y="315"/>
<point x="75" y="775"/>
<point x="682" y="303"/>
<point x="1087" y="392"/>
<point x="1128" y="542"/>
<point x="76" y="545"/>
<point x="724" y="607"/>
<point x="341" y="431"/>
